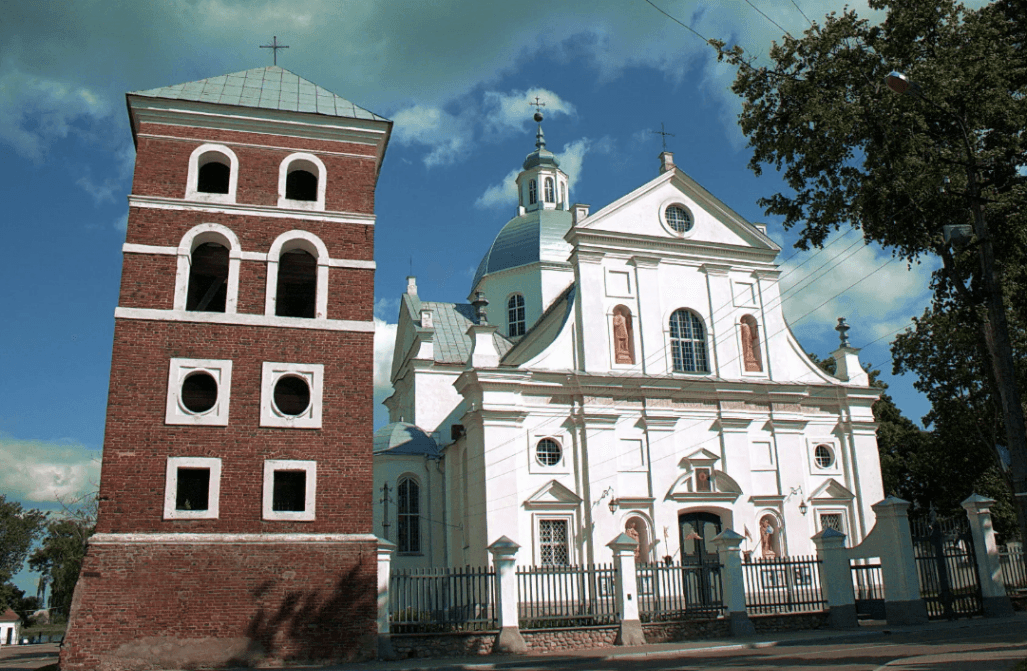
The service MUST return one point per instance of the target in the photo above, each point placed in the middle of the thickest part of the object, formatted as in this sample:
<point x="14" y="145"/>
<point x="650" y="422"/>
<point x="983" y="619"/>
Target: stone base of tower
<point x="166" y="601"/>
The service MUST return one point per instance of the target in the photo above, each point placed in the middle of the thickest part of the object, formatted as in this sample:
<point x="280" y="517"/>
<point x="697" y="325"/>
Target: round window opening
<point x="199" y="392"/>
<point x="548" y="452"/>
<point x="292" y="395"/>
<point x="678" y="218"/>
<point x="823" y="456"/>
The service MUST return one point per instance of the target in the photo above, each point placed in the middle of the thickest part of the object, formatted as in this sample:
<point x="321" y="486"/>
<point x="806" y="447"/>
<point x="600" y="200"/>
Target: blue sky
<point x="455" y="76"/>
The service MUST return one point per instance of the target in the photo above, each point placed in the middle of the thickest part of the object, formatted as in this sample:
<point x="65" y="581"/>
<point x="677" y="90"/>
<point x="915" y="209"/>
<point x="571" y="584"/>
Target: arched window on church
<point x="623" y="336"/>
<point x="515" y="321"/>
<point x="208" y="278"/>
<point x="688" y="343"/>
<point x="550" y="191"/>
<point x="532" y="192"/>
<point x="301" y="182"/>
<point x="213" y="176"/>
<point x="296" y="292"/>
<point x="301" y="185"/>
<point x="408" y="496"/>
<point x="751" y="355"/>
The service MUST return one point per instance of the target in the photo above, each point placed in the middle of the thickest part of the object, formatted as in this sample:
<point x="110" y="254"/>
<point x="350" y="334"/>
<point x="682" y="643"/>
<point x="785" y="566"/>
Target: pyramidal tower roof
<point x="272" y="87"/>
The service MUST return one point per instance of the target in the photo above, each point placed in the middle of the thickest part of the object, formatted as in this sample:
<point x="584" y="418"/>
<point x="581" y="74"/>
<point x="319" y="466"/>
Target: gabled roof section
<point x="553" y="495"/>
<point x="832" y="490"/>
<point x="450" y="321"/>
<point x="9" y="616"/>
<point x="266" y="88"/>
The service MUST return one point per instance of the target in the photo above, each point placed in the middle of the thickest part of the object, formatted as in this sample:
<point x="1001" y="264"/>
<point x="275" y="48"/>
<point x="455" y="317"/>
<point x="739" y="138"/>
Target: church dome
<point x="529" y="238"/>
<point x="403" y="438"/>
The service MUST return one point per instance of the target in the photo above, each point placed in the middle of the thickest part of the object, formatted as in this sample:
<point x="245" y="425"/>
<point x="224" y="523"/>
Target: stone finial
<point x="666" y="161"/>
<point x="843" y="332"/>
<point x="579" y="211"/>
<point x="427" y="321"/>
<point x="480" y="304"/>
<point x="411" y="285"/>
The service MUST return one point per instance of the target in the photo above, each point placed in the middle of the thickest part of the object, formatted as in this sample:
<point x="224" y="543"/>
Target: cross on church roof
<point x="538" y="105"/>
<point x="664" y="133"/>
<point x="274" y="47"/>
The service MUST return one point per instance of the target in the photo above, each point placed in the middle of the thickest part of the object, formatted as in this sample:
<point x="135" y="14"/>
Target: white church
<point x="632" y="372"/>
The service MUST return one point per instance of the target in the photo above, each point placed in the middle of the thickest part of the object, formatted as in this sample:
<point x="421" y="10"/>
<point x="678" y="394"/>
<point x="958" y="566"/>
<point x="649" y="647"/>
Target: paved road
<point x="976" y="645"/>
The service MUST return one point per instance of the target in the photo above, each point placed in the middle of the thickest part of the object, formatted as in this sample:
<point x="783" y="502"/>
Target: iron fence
<point x="946" y="567"/>
<point x="868" y="590"/>
<point x="1014" y="571"/>
<point x="442" y="599"/>
<point x="676" y="591"/>
<point x="567" y="596"/>
<point x="783" y="585"/>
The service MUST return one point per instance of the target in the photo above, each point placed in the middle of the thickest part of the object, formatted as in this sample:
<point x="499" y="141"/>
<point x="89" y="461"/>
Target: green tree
<point x="19" y="528"/>
<point x="58" y="559"/>
<point x="901" y="169"/>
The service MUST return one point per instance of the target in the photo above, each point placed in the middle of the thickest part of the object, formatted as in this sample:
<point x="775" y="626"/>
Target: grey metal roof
<point x="403" y="438"/>
<point x="535" y="236"/>
<point x="266" y="88"/>
<point x="451" y="321"/>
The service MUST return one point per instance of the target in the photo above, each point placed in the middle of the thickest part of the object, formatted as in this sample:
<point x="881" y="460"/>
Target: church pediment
<point x="553" y="496"/>
<point x="832" y="490"/>
<point x="699" y="459"/>
<point x="704" y="484"/>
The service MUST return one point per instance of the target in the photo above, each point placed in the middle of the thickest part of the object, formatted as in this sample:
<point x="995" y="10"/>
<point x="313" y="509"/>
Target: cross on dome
<point x="274" y="47"/>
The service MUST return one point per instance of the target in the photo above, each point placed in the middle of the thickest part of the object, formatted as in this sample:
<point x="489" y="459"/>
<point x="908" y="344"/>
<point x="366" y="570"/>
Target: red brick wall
<point x="138" y="288"/>
<point x="137" y="442"/>
<point x="160" y="605"/>
<point x="162" y="165"/>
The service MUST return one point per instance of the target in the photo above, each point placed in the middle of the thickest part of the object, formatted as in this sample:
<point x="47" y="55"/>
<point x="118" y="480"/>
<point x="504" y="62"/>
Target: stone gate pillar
<point x="989" y="568"/>
<point x="504" y="558"/>
<point x="385" y="551"/>
<point x="728" y="544"/>
<point x="630" y="632"/>
<point x="836" y="578"/>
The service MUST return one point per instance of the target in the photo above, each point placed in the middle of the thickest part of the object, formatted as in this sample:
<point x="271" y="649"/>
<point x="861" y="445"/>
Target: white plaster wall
<point x="432" y="507"/>
<point x="435" y="398"/>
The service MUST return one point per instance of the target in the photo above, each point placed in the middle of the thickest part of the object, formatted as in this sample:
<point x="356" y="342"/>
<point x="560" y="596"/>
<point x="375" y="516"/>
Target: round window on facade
<point x="678" y="218"/>
<point x="548" y="452"/>
<point x="292" y="395"/>
<point x="823" y="456"/>
<point x="199" y="392"/>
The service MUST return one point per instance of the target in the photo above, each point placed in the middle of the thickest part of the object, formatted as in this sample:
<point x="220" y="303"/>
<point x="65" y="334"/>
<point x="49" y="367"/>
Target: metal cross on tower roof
<point x="664" y="133"/>
<point x="537" y="105"/>
<point x="274" y="47"/>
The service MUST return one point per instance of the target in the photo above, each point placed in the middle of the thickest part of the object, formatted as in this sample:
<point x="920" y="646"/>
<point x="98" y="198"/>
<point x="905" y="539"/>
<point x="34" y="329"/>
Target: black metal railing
<point x="868" y="590"/>
<point x="442" y="599"/>
<point x="946" y="567"/>
<point x="1014" y="571"/>
<point x="567" y="596"/>
<point x="676" y="591"/>
<point x="783" y="585"/>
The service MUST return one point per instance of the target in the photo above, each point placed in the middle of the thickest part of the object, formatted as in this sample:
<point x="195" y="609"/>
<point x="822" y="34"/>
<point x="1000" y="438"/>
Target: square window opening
<point x="193" y="491"/>
<point x="290" y="491"/>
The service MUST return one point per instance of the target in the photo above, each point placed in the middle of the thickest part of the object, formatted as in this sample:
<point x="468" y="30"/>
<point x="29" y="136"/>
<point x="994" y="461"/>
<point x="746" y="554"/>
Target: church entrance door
<point x="697" y="530"/>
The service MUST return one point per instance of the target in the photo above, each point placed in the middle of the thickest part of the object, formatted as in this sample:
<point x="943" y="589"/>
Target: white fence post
<point x="509" y="638"/>
<point x="728" y="544"/>
<point x="385" y="550"/>
<point x="630" y="632"/>
<point x="836" y="578"/>
<point x="989" y="567"/>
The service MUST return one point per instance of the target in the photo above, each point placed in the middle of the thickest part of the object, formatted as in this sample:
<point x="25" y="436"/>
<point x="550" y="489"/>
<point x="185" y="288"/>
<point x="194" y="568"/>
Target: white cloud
<point x="384" y="344"/>
<point x="503" y="193"/>
<point x="446" y="135"/>
<point x="45" y="472"/>
<point x="386" y="307"/>
<point x="863" y="283"/>
<point x="505" y="112"/>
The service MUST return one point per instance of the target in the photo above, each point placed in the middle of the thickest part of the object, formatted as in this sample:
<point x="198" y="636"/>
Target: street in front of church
<point x="983" y="644"/>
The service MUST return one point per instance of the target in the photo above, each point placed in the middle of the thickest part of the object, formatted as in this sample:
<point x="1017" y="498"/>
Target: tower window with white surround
<point x="192" y="488"/>
<point x="208" y="278"/>
<point x="688" y="343"/>
<point x="290" y="490"/>
<point x="296" y="293"/>
<point x="213" y="176"/>
<point x="515" y="316"/>
<point x="532" y="192"/>
<point x="550" y="190"/>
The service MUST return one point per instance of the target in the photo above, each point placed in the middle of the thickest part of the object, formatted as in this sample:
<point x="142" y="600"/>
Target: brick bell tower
<point x="236" y="490"/>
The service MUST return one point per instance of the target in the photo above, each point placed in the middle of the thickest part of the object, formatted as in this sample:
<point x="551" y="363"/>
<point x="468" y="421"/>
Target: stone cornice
<point x="244" y="209"/>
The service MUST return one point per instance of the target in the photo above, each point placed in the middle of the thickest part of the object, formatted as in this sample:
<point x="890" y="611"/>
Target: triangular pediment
<point x="720" y="487"/>
<point x="640" y="213"/>
<point x="701" y="458"/>
<point x="832" y="490"/>
<point x="553" y="495"/>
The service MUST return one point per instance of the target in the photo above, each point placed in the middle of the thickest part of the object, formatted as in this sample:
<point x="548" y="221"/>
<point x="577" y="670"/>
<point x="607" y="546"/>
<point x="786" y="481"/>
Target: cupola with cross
<point x="541" y="185"/>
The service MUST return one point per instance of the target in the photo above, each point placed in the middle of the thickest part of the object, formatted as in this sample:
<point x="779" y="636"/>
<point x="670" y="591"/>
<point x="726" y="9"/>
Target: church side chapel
<point x="627" y="370"/>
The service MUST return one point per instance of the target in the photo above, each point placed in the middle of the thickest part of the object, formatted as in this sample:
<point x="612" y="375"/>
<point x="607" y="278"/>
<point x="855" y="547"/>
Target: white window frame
<point x="409" y="477"/>
<point x="196" y="160"/>
<point x="536" y="466"/>
<point x="536" y="545"/>
<point x="312" y="373"/>
<point x="312" y="164"/>
<point x="195" y="237"/>
<point x="522" y="309"/>
<point x="835" y="468"/>
<point x="707" y="341"/>
<point x="308" y="514"/>
<point x="212" y="512"/>
<point x="675" y="201"/>
<point x="176" y="413"/>
<point x="832" y="510"/>
<point x="314" y="246"/>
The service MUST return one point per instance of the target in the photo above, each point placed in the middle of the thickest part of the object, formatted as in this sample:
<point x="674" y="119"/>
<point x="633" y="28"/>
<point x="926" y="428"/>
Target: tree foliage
<point x="19" y="528"/>
<point x="58" y="559"/>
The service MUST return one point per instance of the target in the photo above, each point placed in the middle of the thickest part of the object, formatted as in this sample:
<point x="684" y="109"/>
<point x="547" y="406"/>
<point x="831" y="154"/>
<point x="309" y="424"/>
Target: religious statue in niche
<point x="631" y="530"/>
<point x="767" y="538"/>
<point x="702" y="480"/>
<point x="751" y="345"/>
<point x="623" y="345"/>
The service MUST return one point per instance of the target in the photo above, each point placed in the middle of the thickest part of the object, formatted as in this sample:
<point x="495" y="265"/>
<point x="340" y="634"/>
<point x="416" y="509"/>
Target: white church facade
<point x="633" y="371"/>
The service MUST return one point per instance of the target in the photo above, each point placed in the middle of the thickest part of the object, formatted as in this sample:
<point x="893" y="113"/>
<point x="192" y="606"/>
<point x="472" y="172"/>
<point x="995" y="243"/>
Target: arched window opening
<point x="563" y="193"/>
<point x="208" y="279"/>
<point x="550" y="191"/>
<point x="301" y="185"/>
<point x="213" y="177"/>
<point x="515" y="316"/>
<point x="751" y="344"/>
<point x="688" y="343"/>
<point x="296" y="295"/>
<point x="409" y="500"/>
<point x="623" y="336"/>
<point x="532" y="192"/>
